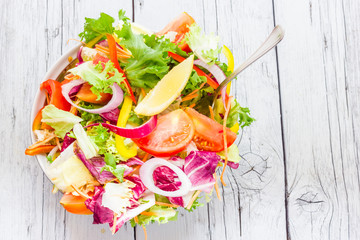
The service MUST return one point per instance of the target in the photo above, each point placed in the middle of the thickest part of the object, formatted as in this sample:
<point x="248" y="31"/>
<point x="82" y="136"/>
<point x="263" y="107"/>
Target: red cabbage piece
<point x="167" y="180"/>
<point x="75" y="90"/>
<point x="111" y="116"/>
<point x="101" y="214"/>
<point x="133" y="161"/>
<point x="200" y="167"/>
<point x="67" y="142"/>
<point x="94" y="165"/>
<point x="139" y="189"/>
<point x="231" y="164"/>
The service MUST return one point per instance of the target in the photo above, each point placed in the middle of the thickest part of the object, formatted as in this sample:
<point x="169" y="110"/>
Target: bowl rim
<point x="40" y="97"/>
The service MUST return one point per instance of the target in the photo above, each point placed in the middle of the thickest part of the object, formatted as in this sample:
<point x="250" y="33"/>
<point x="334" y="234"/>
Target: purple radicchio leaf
<point x="111" y="116"/>
<point x="67" y="142"/>
<point x="200" y="168"/>
<point x="101" y="214"/>
<point x="139" y="189"/>
<point x="94" y="165"/>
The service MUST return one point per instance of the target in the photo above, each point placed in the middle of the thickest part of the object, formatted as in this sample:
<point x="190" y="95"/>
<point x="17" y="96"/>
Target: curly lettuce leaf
<point x="95" y="27"/>
<point x="240" y="115"/>
<point x="205" y="47"/>
<point x="149" y="61"/>
<point x="193" y="83"/>
<point x="98" y="77"/>
<point x="62" y="121"/>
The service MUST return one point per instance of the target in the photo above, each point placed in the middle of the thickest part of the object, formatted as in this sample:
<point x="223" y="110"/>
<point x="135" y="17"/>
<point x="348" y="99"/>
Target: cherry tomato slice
<point x="181" y="26"/>
<point x="172" y="134"/>
<point x="209" y="133"/>
<point x="85" y="94"/>
<point x="74" y="204"/>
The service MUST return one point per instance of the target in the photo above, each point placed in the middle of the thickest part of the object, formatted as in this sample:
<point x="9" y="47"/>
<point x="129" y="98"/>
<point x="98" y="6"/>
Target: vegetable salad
<point x="130" y="133"/>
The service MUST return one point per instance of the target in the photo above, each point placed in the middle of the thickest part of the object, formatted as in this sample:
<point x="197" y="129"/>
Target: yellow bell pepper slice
<point x="230" y="60"/>
<point x="94" y="41"/>
<point x="122" y="120"/>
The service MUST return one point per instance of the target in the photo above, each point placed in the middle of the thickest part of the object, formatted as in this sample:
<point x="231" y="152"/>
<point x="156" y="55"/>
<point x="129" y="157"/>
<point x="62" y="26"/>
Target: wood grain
<point x="319" y="114"/>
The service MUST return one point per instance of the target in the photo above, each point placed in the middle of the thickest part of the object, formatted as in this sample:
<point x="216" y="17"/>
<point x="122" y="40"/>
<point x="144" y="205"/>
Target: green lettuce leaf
<point x="98" y="77"/>
<point x="233" y="154"/>
<point x="193" y="83"/>
<point x="205" y="47"/>
<point x="149" y="61"/>
<point x="62" y="121"/>
<point x="163" y="215"/>
<point x="95" y="27"/>
<point x="240" y="115"/>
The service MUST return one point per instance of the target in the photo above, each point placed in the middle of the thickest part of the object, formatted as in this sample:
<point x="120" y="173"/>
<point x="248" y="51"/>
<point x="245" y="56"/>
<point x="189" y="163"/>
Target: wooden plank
<point x="243" y="30"/>
<point x="21" y="178"/>
<point x="259" y="181"/>
<point x="319" y="96"/>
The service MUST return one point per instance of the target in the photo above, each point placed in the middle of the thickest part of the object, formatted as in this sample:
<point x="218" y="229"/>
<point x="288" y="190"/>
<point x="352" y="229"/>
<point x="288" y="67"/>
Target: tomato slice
<point x="172" y="134"/>
<point x="75" y="204"/>
<point x="85" y="94"/>
<point x="181" y="26"/>
<point x="209" y="133"/>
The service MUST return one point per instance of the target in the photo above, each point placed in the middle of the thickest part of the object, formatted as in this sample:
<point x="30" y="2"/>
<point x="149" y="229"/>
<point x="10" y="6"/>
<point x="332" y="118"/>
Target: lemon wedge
<point x="166" y="90"/>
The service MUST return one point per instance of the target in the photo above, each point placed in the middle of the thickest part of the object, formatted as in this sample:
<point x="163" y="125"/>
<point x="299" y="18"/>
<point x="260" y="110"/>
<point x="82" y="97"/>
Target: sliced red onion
<point x="216" y="71"/>
<point x="138" y="132"/>
<point x="111" y="116"/>
<point x="74" y="90"/>
<point x="146" y="175"/>
<point x="115" y="101"/>
<point x="79" y="57"/>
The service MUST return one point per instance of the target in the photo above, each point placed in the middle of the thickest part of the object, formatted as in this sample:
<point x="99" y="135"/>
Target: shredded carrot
<point x="143" y="92"/>
<point x="145" y="232"/>
<point x="211" y="113"/>
<point x="135" y="169"/>
<point x="73" y="39"/>
<point x="80" y="192"/>
<point x="145" y="158"/>
<point x="148" y="213"/>
<point x="73" y="109"/>
<point x="192" y="105"/>
<point x="121" y="53"/>
<point x="166" y="204"/>
<point x="196" y="90"/>
<point x="217" y="187"/>
<point x="189" y="97"/>
<point x="58" y="143"/>
<point x="192" y="200"/>
<point x="136" y="219"/>
<point x="114" y="224"/>
<point x="225" y="142"/>
<point x="43" y="142"/>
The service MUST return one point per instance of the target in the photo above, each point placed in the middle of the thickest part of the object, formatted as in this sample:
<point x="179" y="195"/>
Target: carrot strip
<point x="135" y="169"/>
<point x="58" y="143"/>
<point x="145" y="158"/>
<point x="217" y="187"/>
<point x="136" y="219"/>
<point x="143" y="92"/>
<point x="192" y="105"/>
<point x="80" y="192"/>
<point x="192" y="200"/>
<point x="76" y="40"/>
<point x="145" y="232"/>
<point x="225" y="142"/>
<point x="148" y="213"/>
<point x="114" y="224"/>
<point x="211" y="113"/>
<point x="166" y="204"/>
<point x="189" y="97"/>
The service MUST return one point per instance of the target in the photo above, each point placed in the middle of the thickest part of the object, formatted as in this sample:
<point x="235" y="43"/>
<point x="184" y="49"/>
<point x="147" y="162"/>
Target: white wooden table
<point x="299" y="178"/>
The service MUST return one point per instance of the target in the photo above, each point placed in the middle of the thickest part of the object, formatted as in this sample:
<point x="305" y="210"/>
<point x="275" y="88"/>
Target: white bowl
<point x="40" y="97"/>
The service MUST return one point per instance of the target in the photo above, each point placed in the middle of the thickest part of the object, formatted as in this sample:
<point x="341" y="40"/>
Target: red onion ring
<point x="216" y="71"/>
<point x="115" y="101"/>
<point x="146" y="176"/>
<point x="138" y="132"/>
<point x="79" y="57"/>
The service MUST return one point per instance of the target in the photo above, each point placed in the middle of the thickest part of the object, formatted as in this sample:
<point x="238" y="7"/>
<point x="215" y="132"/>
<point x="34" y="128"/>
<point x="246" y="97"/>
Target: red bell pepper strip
<point x="209" y="80"/>
<point x="56" y="98"/>
<point x="37" y="124"/>
<point x="39" y="149"/>
<point x="114" y="59"/>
